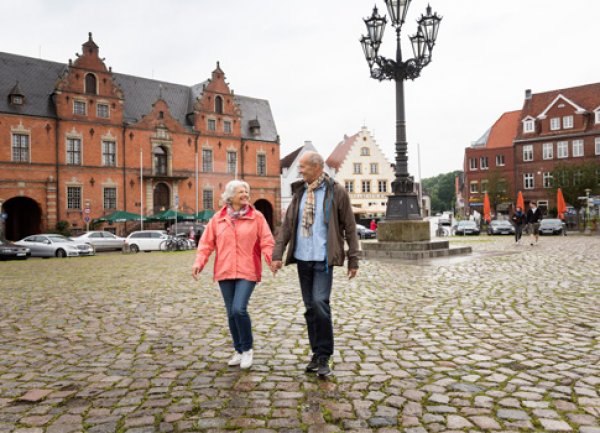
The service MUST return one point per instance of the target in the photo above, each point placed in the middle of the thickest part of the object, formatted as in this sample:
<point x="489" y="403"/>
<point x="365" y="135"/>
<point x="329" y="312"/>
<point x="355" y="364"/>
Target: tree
<point x="574" y="179"/>
<point x="441" y="190"/>
<point x="497" y="187"/>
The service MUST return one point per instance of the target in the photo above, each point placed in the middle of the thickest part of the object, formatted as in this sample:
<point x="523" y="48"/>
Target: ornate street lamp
<point x="403" y="204"/>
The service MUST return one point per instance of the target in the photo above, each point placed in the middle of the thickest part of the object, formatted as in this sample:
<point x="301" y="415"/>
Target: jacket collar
<point x="300" y="185"/>
<point x="224" y="215"/>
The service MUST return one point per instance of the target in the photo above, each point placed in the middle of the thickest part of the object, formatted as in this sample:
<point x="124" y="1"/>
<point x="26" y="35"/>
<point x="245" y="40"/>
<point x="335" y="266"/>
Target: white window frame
<point x="528" y="152"/>
<point x="483" y="163"/>
<point x="365" y="186"/>
<point x="72" y="152"/>
<point x="102" y="104"/>
<point x="211" y="125"/>
<point x="207" y="163"/>
<point x="374" y="168"/>
<point x="597" y="145"/>
<point x="567" y="122"/>
<point x="562" y="149"/>
<point x="206" y="194"/>
<point x="474" y="187"/>
<point x="547" y="179"/>
<point x="105" y="161"/>
<point x="555" y="124"/>
<point x="472" y="164"/>
<point x="83" y="104"/>
<point x="577" y="148"/>
<point x="597" y="116"/>
<point x="349" y="186"/>
<point x="227" y="126"/>
<point x="260" y="169"/>
<point x="380" y="184"/>
<point x="74" y="203"/>
<point x="28" y="146"/>
<point x="528" y="181"/>
<point x="500" y="161"/>
<point x="548" y="151"/>
<point x="231" y="162"/>
<point x="357" y="168"/>
<point x="528" y="126"/>
<point x="106" y="198"/>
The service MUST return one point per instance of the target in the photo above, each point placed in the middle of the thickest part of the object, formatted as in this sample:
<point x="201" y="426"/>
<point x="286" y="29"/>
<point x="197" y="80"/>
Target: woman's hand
<point x="196" y="271"/>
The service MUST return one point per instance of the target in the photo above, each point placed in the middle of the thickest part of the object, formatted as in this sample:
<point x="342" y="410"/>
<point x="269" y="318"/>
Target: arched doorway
<point x="24" y="218"/>
<point x="162" y="197"/>
<point x="266" y="209"/>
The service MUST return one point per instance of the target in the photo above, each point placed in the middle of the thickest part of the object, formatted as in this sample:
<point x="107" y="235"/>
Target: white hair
<point x="230" y="189"/>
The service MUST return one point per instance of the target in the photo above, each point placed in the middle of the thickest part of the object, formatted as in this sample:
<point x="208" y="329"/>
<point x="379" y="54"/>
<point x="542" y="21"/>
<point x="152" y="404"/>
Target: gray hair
<point x="230" y="189"/>
<point x="313" y="158"/>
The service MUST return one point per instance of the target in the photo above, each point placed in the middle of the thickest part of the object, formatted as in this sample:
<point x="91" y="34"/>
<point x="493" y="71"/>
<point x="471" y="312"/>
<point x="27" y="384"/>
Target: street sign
<point x="86" y="219"/>
<point x="87" y="210"/>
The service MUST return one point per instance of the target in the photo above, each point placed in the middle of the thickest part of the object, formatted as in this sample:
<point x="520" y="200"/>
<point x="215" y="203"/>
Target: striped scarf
<point x="234" y="215"/>
<point x="308" y="216"/>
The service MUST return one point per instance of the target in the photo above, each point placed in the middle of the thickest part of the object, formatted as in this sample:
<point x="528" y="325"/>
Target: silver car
<point x="101" y="240"/>
<point x="52" y="245"/>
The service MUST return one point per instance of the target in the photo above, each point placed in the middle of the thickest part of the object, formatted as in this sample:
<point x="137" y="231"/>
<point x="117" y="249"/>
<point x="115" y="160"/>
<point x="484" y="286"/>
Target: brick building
<point x="491" y="159"/>
<point x="524" y="147"/>
<point x="74" y="137"/>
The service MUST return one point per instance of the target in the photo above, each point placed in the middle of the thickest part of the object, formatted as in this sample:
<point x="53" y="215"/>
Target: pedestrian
<point x="534" y="216"/>
<point x="239" y="234"/>
<point x="317" y="222"/>
<point x="518" y="219"/>
<point x="373" y="225"/>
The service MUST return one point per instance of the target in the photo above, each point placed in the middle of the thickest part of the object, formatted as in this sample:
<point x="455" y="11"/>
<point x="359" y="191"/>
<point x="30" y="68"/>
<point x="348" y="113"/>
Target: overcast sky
<point x="305" y="58"/>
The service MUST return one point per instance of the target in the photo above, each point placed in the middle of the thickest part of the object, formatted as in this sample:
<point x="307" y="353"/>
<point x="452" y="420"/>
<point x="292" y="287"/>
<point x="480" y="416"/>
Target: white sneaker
<point x="246" y="361"/>
<point x="236" y="359"/>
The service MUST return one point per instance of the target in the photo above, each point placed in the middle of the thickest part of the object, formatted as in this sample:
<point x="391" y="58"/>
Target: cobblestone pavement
<point x="130" y="343"/>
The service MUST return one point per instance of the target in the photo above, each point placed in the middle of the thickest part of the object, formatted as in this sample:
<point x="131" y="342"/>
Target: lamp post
<point x="403" y="204"/>
<point x="587" y="210"/>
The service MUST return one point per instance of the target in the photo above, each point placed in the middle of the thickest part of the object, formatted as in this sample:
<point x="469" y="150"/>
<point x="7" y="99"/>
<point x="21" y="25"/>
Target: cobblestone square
<point x="504" y="341"/>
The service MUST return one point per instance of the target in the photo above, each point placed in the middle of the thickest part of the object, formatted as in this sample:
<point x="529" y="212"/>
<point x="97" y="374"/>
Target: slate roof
<point x="37" y="79"/>
<point x="288" y="160"/>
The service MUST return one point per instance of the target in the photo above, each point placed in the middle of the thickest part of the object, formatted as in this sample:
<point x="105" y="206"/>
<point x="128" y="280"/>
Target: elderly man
<point x="317" y="222"/>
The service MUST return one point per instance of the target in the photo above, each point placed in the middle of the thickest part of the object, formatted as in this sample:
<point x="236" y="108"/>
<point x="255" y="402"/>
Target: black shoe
<point x="324" y="370"/>
<point x="313" y="365"/>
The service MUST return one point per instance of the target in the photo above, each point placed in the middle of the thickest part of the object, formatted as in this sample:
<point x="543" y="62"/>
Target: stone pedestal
<point x="408" y="240"/>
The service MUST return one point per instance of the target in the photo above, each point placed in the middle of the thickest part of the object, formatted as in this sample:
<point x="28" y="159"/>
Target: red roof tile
<point x="504" y="130"/>
<point x="341" y="150"/>
<point x="587" y="96"/>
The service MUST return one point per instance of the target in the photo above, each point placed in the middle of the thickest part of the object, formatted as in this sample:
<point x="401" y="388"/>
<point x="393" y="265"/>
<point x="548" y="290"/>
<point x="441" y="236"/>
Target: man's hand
<point x="352" y="273"/>
<point x="275" y="266"/>
<point x="195" y="272"/>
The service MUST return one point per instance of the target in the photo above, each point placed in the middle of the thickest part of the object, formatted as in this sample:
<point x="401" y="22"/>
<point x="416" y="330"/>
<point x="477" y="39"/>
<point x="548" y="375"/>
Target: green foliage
<point x="441" y="190"/>
<point x="574" y="179"/>
<point x="62" y="228"/>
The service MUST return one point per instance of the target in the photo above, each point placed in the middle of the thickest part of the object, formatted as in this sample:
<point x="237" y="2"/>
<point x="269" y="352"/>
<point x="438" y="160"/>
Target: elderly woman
<point x="239" y="234"/>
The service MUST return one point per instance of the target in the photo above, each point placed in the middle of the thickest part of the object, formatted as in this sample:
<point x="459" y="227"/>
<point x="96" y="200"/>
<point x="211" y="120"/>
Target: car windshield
<point x="467" y="224"/>
<point x="551" y="222"/>
<point x="58" y="238"/>
<point x="500" y="223"/>
<point x="360" y="227"/>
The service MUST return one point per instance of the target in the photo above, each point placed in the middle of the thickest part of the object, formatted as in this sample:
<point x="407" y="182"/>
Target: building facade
<point x="358" y="163"/>
<point x="489" y="167"/>
<point x="79" y="141"/>
<point x="559" y="127"/>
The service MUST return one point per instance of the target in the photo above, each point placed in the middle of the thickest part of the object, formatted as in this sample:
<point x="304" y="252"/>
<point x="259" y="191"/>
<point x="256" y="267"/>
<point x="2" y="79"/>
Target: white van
<point x="145" y="240"/>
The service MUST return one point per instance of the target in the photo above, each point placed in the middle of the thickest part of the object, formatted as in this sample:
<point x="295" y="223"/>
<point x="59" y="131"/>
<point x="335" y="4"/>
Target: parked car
<point x="500" y="227"/>
<point x="365" y="233"/>
<point x="145" y="240"/>
<point x="102" y="240"/>
<point x="466" y="227"/>
<point x="551" y="226"/>
<point x="9" y="250"/>
<point x="52" y="245"/>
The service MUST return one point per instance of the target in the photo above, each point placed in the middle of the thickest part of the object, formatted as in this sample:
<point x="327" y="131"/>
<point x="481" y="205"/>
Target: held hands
<point x="275" y="266"/>
<point x="352" y="273"/>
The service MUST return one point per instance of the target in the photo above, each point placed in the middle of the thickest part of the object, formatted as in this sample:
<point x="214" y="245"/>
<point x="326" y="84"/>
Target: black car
<point x="9" y="251"/>
<point x="365" y="233"/>
<point x="466" y="227"/>
<point x="551" y="226"/>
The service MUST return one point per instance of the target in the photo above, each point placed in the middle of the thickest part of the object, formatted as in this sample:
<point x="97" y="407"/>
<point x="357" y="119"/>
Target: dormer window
<point x="254" y="126"/>
<point x="16" y="100"/>
<point x="16" y="96"/>
<point x="567" y="122"/>
<point x="528" y="126"/>
<point x="597" y="112"/>
<point x="364" y="151"/>
<point x="90" y="84"/>
<point x="555" y="124"/>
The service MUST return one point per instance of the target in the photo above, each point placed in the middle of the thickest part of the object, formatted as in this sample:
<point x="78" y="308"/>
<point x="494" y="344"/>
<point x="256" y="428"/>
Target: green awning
<point x="170" y="214"/>
<point x="119" y="216"/>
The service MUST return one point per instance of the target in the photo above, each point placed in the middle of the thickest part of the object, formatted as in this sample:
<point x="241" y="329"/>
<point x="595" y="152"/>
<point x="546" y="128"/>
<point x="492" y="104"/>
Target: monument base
<point x="408" y="240"/>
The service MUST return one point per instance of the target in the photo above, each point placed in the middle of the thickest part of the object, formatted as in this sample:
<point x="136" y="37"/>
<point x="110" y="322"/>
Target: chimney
<point x="527" y="94"/>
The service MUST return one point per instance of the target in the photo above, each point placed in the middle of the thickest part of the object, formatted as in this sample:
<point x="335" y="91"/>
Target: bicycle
<point x="174" y="244"/>
<point x="441" y="231"/>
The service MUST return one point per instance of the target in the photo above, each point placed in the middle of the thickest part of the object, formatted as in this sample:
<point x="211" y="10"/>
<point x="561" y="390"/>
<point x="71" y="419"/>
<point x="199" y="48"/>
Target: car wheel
<point x="134" y="248"/>
<point x="61" y="253"/>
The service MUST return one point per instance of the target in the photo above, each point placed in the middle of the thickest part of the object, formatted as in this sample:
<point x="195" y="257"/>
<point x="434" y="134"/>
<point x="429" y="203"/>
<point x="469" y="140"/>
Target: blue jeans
<point x="236" y="294"/>
<point x="315" y="281"/>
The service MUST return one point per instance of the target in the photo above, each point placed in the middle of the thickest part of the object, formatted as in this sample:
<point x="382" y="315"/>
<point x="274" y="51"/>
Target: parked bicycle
<point x="175" y="244"/>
